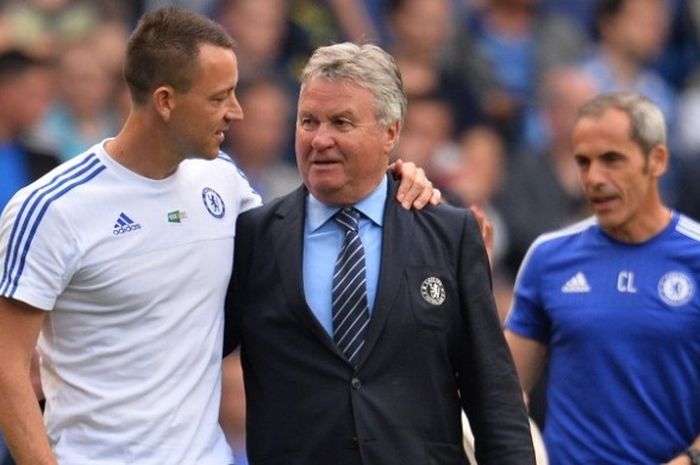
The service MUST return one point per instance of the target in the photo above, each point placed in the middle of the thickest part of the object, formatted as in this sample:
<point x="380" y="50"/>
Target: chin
<point x="323" y="182"/>
<point x="331" y="195"/>
<point x="210" y="154"/>
<point x="609" y="221"/>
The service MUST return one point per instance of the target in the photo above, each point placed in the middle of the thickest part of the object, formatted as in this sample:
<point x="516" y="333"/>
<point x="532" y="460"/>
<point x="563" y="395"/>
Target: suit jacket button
<point x="354" y="443"/>
<point x="356" y="383"/>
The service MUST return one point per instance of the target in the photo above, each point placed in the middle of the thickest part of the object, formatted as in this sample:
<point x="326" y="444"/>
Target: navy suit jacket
<point x="424" y="359"/>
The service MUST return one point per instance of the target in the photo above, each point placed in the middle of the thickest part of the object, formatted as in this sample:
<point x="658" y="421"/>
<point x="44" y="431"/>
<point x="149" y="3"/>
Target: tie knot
<point x="348" y="218"/>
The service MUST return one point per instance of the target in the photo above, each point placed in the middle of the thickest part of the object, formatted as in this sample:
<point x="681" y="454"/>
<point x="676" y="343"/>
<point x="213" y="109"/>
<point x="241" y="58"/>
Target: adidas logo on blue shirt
<point x="124" y="224"/>
<point x="576" y="285"/>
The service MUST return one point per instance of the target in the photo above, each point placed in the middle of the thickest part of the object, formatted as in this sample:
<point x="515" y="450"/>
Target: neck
<point x="142" y="147"/>
<point x="645" y="226"/>
<point x="347" y="197"/>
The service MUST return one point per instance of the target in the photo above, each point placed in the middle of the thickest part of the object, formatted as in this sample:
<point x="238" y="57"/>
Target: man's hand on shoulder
<point x="415" y="189"/>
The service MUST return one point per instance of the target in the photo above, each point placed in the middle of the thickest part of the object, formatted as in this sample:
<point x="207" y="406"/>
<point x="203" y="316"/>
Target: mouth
<point x="601" y="203"/>
<point x="324" y="162"/>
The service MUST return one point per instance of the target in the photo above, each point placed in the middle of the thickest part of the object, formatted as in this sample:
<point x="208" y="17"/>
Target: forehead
<point x="609" y="130"/>
<point x="322" y="94"/>
<point x="216" y="65"/>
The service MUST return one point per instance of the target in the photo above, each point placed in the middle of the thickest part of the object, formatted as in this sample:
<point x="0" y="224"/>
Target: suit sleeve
<point x="489" y="388"/>
<point x="236" y="290"/>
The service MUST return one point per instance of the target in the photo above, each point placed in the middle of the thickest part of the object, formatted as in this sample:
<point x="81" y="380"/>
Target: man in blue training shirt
<point x="613" y="304"/>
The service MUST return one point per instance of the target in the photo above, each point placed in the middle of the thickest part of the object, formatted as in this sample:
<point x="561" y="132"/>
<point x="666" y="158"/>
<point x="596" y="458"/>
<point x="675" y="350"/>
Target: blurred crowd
<point x="493" y="86"/>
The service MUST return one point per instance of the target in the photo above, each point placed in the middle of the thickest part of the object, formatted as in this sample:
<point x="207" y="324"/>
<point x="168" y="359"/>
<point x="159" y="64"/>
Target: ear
<point x="392" y="136"/>
<point x="658" y="160"/>
<point x="164" y="101"/>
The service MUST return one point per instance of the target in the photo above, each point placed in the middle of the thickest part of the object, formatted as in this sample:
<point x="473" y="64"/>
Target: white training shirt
<point x="133" y="273"/>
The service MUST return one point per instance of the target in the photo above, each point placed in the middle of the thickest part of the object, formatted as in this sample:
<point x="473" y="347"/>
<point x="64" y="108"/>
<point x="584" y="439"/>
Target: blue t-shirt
<point x="622" y="325"/>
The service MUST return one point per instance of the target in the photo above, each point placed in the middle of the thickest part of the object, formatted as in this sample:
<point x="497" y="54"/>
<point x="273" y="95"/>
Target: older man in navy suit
<point x="366" y="329"/>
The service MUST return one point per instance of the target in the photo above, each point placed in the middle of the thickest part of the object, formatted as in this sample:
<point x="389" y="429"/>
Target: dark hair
<point x="164" y="50"/>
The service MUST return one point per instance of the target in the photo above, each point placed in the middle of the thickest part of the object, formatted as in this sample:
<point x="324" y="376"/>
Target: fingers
<point x="406" y="172"/>
<point x="486" y="228"/>
<point x="420" y="191"/>
<point x="415" y="190"/>
<point x="423" y="190"/>
<point x="436" y="198"/>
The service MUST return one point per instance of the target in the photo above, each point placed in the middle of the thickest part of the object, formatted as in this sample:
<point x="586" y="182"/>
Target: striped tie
<point x="350" y="310"/>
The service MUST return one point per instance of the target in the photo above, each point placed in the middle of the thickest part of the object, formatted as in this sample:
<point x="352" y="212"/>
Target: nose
<point x="594" y="175"/>
<point x="234" y="112"/>
<point x="322" y="138"/>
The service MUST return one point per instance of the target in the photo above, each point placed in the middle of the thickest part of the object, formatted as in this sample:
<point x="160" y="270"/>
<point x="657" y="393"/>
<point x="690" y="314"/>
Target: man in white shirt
<point x="118" y="261"/>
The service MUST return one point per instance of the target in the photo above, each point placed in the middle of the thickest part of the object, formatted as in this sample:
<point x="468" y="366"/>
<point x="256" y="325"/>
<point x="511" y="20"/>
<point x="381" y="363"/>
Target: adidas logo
<point x="577" y="284"/>
<point x="124" y="224"/>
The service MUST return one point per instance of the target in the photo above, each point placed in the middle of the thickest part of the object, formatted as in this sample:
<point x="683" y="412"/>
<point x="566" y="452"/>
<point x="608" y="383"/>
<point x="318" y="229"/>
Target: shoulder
<point x="564" y="241"/>
<point x="227" y="175"/>
<point x="442" y="227"/>
<point x="683" y="244"/>
<point x="47" y="208"/>
<point x="688" y="228"/>
<point x="576" y="231"/>
<point x="445" y="214"/>
<point x="445" y="220"/>
<point x="222" y="165"/>
<point x="60" y="184"/>
<point x="290" y="204"/>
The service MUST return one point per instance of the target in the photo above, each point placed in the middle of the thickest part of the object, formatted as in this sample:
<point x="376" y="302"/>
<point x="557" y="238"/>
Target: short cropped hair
<point x="647" y="125"/>
<point x="164" y="50"/>
<point x="367" y="66"/>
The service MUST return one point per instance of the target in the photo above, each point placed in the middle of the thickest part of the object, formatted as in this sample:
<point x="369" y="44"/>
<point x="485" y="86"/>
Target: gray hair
<point x="367" y="66"/>
<point x="648" y="128"/>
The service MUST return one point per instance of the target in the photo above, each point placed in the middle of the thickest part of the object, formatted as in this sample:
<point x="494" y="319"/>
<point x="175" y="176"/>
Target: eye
<point x="581" y="162"/>
<point x="613" y="158"/>
<point x="342" y="123"/>
<point x="306" y="122"/>
<point x="223" y="97"/>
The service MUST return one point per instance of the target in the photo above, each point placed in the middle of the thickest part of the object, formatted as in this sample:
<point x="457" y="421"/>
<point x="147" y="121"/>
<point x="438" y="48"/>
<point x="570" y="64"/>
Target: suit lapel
<point x="396" y="239"/>
<point x="288" y="234"/>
